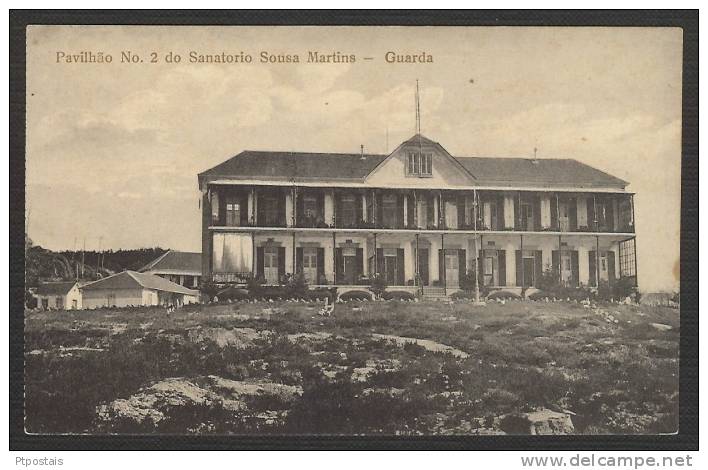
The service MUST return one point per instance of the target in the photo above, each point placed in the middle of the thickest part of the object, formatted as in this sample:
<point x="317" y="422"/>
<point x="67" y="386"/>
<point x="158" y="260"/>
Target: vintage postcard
<point x="352" y="230"/>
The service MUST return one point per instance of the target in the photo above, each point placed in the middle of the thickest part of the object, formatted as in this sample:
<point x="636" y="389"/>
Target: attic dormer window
<point x="420" y="164"/>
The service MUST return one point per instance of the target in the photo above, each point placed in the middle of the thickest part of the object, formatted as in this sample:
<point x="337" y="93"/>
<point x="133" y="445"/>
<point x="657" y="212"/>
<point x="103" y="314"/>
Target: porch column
<point x="560" y="260"/>
<point x="289" y="209"/>
<point x="294" y="258"/>
<point x="364" y="215"/>
<point x="583" y="265"/>
<point x="416" y="259"/>
<point x="415" y="212"/>
<point x="436" y="211"/>
<point x="444" y="274"/>
<point x="597" y="257"/>
<point x="405" y="209"/>
<point x="522" y="259"/>
<point x="558" y="219"/>
<point x="409" y="261"/>
<point x="334" y="257"/>
<point x="596" y="228"/>
<point x="255" y="206"/>
<point x="251" y="206"/>
<point x="376" y="257"/>
<point x="254" y="268"/>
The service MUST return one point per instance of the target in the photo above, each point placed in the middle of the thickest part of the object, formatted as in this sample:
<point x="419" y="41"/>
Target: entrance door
<point x="529" y="279"/>
<point x="566" y="268"/>
<point x="391" y="268"/>
<point x="423" y="269"/>
<point x="309" y="264"/>
<point x="490" y="272"/>
<point x="452" y="268"/>
<point x="270" y="265"/>
<point x="349" y="269"/>
<point x="604" y="271"/>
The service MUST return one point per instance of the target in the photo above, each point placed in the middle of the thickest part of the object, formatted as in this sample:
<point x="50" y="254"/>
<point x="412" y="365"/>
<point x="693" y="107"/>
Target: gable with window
<point x="419" y="164"/>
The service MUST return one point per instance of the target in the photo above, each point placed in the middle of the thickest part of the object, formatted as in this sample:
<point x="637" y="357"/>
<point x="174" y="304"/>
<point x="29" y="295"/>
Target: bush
<point x="398" y="295"/>
<point x="503" y="294"/>
<point x="355" y="295"/>
<point x="209" y="289"/>
<point x="296" y="285"/>
<point x="623" y="288"/>
<point x="321" y="293"/>
<point x="468" y="281"/>
<point x="541" y="295"/>
<point x="233" y="293"/>
<point x="378" y="285"/>
<point x="548" y="281"/>
<point x="255" y="285"/>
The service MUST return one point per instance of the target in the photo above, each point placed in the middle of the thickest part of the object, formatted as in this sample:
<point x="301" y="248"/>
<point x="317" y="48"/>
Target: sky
<point x="114" y="149"/>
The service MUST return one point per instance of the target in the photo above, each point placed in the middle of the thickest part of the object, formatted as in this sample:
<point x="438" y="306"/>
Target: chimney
<point x="362" y="152"/>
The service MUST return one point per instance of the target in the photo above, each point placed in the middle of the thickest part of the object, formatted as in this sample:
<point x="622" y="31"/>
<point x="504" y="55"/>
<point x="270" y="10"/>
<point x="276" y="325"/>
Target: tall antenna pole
<point x="417" y="108"/>
<point x="98" y="255"/>
<point x="83" y="258"/>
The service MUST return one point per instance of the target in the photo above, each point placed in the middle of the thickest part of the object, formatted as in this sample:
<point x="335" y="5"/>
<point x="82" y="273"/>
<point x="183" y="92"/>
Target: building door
<point x="423" y="269"/>
<point x="349" y="269"/>
<point x="604" y="271"/>
<point x="270" y="265"/>
<point x="391" y="269"/>
<point x="233" y="212"/>
<point x="452" y="268"/>
<point x="309" y="264"/>
<point x="526" y="216"/>
<point x="74" y="304"/>
<point x="529" y="265"/>
<point x="45" y="303"/>
<point x="566" y="268"/>
<point x="490" y="270"/>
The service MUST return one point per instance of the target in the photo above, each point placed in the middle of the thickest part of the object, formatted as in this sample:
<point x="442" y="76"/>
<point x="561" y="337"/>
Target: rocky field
<point x="372" y="368"/>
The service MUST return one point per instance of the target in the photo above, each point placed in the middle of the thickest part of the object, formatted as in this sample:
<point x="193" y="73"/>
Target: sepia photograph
<point x="352" y="230"/>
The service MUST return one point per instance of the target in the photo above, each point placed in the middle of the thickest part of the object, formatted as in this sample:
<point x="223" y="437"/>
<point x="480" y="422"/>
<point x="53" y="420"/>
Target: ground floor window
<point x="232" y="253"/>
<point x="59" y="303"/>
<point x="627" y="258"/>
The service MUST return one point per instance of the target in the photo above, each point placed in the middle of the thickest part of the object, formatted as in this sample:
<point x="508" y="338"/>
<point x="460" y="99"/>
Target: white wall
<point x="123" y="297"/>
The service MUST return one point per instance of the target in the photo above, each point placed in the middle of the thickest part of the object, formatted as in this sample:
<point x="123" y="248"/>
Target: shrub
<point x="296" y="285"/>
<point x="209" y="289"/>
<point x="255" y="285"/>
<point x="468" y="281"/>
<point x="378" y="284"/>
<point x="398" y="295"/>
<point x="233" y="293"/>
<point x="321" y="293"/>
<point x="548" y="280"/>
<point x="355" y="295"/>
<point x="623" y="288"/>
<point x="541" y="294"/>
<point x="503" y="294"/>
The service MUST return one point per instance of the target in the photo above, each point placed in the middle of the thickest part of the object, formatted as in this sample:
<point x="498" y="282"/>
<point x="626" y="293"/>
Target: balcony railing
<point x="614" y="213"/>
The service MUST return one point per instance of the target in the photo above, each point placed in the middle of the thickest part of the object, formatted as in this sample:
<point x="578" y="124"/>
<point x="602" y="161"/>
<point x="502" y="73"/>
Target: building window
<point x="59" y="303"/>
<point x="390" y="210"/>
<point x="271" y="211"/>
<point x="233" y="213"/>
<point x="627" y="258"/>
<point x="420" y="164"/>
<point x="309" y="206"/>
<point x="347" y="211"/>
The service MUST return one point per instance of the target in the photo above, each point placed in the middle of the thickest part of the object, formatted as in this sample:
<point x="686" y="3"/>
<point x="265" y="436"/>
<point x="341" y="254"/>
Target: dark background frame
<point x="687" y="437"/>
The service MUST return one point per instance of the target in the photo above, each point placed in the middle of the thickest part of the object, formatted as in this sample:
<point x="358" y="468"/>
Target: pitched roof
<point x="296" y="165"/>
<point x="541" y="171"/>
<point x="132" y="280"/>
<point x="175" y="262"/>
<point x="492" y="171"/>
<point x="55" y="288"/>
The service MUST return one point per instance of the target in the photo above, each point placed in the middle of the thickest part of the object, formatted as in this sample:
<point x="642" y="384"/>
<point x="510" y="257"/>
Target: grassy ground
<point x="608" y="367"/>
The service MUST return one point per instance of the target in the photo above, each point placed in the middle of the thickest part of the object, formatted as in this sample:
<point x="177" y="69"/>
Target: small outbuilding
<point x="130" y="288"/>
<point x="181" y="267"/>
<point x="58" y="295"/>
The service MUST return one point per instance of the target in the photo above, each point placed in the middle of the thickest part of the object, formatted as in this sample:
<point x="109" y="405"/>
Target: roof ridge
<point x="155" y="261"/>
<point x="102" y="279"/>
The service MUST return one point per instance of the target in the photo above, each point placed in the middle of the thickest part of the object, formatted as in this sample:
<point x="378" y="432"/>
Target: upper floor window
<point x="347" y="208"/>
<point x="420" y="164"/>
<point x="233" y="213"/>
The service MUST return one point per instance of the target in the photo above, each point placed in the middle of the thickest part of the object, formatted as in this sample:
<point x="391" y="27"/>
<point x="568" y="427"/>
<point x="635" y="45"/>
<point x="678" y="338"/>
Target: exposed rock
<point x="241" y="338"/>
<point x="361" y="374"/>
<point x="155" y="403"/>
<point x="428" y="344"/>
<point x="661" y="326"/>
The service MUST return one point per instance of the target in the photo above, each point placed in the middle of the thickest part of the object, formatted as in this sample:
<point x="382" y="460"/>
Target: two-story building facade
<point x="418" y="216"/>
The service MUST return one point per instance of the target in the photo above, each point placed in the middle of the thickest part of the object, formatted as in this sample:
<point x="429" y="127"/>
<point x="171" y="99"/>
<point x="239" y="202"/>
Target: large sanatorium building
<point x="418" y="216"/>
